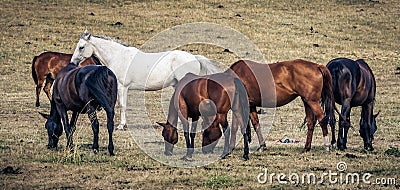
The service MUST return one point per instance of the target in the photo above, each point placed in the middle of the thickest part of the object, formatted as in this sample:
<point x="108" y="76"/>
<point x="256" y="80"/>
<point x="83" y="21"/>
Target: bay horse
<point x="46" y="66"/>
<point x="138" y="70"/>
<point x="277" y="84"/>
<point x="210" y="97"/>
<point x="354" y="85"/>
<point x="82" y="90"/>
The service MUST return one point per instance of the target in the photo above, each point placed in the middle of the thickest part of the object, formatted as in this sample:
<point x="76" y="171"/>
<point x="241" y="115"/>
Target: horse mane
<point x="112" y="39"/>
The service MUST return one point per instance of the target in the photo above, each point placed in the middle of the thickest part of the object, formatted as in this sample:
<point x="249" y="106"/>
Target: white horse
<point x="138" y="70"/>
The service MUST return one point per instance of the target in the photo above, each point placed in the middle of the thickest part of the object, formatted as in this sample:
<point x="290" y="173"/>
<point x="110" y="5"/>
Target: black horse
<point x="82" y="90"/>
<point x="354" y="85"/>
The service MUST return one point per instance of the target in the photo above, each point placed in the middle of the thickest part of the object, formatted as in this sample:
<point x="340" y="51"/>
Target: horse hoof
<point x="186" y="159"/>
<point x="112" y="154"/>
<point x="167" y="153"/>
<point x="245" y="157"/>
<point x="121" y="127"/>
<point x="95" y="151"/>
<point x="262" y="148"/>
<point x="305" y="150"/>
<point x="224" y="155"/>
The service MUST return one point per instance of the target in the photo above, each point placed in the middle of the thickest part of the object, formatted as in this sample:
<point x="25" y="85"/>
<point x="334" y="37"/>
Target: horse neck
<point x="113" y="54"/>
<point x="172" y="113"/>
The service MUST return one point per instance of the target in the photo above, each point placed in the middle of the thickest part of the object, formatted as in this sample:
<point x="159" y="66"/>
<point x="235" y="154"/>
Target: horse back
<point x="65" y="91"/>
<point x="193" y="89"/>
<point x="296" y="78"/>
<point x="258" y="81"/>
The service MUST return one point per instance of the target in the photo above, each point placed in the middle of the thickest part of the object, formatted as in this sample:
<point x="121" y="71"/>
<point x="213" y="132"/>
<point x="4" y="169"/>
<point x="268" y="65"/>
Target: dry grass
<point x="281" y="29"/>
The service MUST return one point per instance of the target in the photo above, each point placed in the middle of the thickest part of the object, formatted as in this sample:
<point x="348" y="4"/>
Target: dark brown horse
<point x="46" y="66"/>
<point x="210" y="97"/>
<point x="354" y="85"/>
<point x="277" y="84"/>
<point x="82" y="90"/>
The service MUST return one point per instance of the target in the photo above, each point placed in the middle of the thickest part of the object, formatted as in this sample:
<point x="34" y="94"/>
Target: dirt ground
<point x="281" y="30"/>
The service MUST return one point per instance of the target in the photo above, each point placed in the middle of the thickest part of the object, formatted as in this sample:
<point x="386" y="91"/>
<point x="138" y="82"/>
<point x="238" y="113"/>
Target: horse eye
<point x="81" y="48"/>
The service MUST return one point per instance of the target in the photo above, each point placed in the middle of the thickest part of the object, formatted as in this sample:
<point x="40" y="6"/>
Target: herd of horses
<point x="102" y="68"/>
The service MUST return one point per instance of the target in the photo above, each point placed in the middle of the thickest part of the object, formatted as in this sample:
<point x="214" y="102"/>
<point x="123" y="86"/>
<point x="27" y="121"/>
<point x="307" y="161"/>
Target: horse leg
<point x="227" y="132"/>
<point x="47" y="87"/>
<point x="366" y="125"/>
<point x="95" y="128"/>
<point x="234" y="129"/>
<point x="122" y="97"/>
<point x="64" y="119"/>
<point x="311" y="120"/>
<point x="110" y="129"/>
<point x="72" y="126"/>
<point x="256" y="124"/>
<point x="193" y="134"/>
<point x="344" y="125"/>
<point x="185" y="124"/>
<point x="38" y="89"/>
<point x="323" y="122"/>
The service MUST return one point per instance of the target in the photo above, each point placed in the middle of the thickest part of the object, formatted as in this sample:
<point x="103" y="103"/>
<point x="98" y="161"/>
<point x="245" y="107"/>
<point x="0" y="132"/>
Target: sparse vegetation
<point x="280" y="29"/>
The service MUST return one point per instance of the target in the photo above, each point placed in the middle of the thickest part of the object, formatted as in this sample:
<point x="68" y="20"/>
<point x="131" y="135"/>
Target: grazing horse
<point x="138" y="70"/>
<point x="46" y="66"/>
<point x="354" y="85"/>
<point x="277" y="84"/>
<point x="210" y="97"/>
<point x="82" y="90"/>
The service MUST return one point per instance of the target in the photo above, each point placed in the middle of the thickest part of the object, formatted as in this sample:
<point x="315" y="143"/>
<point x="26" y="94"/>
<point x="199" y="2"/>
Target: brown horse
<point x="47" y="65"/>
<point x="277" y="84"/>
<point x="354" y="85"/>
<point x="210" y="97"/>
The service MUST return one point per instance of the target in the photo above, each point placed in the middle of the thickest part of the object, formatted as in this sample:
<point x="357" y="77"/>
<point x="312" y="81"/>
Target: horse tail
<point x="206" y="65"/>
<point x="327" y="97"/>
<point x="34" y="76"/>
<point x="44" y="115"/>
<point x="102" y="89"/>
<point x="241" y="100"/>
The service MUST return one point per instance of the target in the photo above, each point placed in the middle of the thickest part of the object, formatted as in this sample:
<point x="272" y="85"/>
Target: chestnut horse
<point x="82" y="90"/>
<point x="47" y="65"/>
<point x="210" y="97"/>
<point x="277" y="84"/>
<point x="354" y="85"/>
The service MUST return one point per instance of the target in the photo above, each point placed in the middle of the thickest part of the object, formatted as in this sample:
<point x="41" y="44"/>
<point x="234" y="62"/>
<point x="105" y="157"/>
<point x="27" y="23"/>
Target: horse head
<point x="54" y="131"/>
<point x="368" y="133"/>
<point x="83" y="49"/>
<point x="170" y="135"/>
<point x="210" y="138"/>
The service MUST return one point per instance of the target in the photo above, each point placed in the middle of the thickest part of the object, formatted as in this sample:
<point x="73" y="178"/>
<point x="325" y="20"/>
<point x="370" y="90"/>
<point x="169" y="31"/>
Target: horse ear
<point x="376" y="115"/>
<point x="86" y="35"/>
<point x="161" y="124"/>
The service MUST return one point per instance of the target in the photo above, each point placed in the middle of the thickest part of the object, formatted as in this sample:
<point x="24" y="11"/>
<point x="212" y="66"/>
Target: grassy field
<point x="280" y="29"/>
